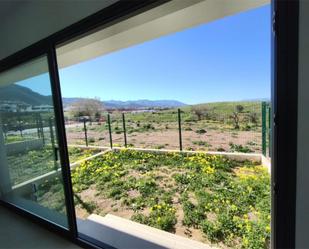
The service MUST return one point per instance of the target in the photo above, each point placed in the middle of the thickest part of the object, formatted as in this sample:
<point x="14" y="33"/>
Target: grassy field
<point x="207" y="198"/>
<point x="204" y="127"/>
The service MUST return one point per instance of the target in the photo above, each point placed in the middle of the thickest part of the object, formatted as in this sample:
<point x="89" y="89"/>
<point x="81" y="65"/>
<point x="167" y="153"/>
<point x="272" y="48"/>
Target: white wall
<point x="302" y="195"/>
<point x="26" y="22"/>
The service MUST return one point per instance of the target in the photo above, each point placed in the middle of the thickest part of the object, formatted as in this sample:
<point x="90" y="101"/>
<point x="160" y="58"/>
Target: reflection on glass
<point x="30" y="172"/>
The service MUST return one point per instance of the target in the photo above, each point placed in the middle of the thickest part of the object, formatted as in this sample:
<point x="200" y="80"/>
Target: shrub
<point x="213" y="230"/>
<point x="149" y="126"/>
<point x="247" y="127"/>
<point x="240" y="148"/>
<point x="220" y="149"/>
<point x="162" y="216"/>
<point x="193" y="215"/>
<point x="91" y="140"/>
<point x="201" y="143"/>
<point x="201" y="131"/>
<point x="146" y="186"/>
<point x="160" y="146"/>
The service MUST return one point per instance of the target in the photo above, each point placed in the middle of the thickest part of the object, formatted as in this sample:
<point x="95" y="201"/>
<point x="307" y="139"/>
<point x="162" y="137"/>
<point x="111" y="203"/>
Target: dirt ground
<point x="109" y="206"/>
<point x="105" y="205"/>
<point x="212" y="140"/>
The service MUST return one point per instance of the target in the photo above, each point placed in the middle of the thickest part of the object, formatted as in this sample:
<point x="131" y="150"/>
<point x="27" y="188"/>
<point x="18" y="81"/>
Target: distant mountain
<point x="132" y="104"/>
<point x="143" y="103"/>
<point x="23" y="94"/>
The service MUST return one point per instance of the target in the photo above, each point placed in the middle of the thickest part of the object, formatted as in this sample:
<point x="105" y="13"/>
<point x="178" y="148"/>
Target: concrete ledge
<point x="26" y="187"/>
<point x="126" y="234"/>
<point x="266" y="161"/>
<point x="89" y="146"/>
<point x="20" y="147"/>
<point x="73" y="165"/>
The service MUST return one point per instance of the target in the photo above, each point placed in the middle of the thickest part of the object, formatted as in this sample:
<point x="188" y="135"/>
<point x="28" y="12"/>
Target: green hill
<point x="23" y="94"/>
<point x="228" y="107"/>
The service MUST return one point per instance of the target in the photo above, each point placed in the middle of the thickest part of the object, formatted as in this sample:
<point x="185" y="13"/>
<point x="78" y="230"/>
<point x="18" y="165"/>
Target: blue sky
<point x="228" y="59"/>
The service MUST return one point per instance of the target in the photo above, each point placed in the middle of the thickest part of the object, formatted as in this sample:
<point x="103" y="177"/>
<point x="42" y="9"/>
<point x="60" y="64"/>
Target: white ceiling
<point x="171" y="17"/>
<point x="26" y="22"/>
<point x="165" y="19"/>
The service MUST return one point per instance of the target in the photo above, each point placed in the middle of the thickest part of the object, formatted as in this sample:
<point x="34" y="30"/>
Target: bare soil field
<point x="220" y="139"/>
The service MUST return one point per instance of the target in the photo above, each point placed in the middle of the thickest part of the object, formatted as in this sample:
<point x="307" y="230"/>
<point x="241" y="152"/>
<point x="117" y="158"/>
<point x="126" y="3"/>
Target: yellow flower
<point x="268" y="228"/>
<point x="209" y="170"/>
<point x="245" y="242"/>
<point x="233" y="207"/>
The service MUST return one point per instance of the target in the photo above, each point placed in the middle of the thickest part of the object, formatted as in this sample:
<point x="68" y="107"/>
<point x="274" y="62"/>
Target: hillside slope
<point x="23" y="94"/>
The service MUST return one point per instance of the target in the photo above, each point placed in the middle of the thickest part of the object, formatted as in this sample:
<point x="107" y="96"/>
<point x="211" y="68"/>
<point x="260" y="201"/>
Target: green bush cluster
<point x="227" y="200"/>
<point x="161" y="216"/>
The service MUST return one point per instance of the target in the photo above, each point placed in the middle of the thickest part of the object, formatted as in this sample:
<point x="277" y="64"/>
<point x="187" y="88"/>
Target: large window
<point x="168" y="129"/>
<point x="150" y="168"/>
<point x="30" y="170"/>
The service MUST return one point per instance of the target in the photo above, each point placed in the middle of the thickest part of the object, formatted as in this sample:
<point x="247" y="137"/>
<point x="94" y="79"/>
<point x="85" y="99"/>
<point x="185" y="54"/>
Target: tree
<point x="235" y="116"/>
<point x="239" y="108"/>
<point x="200" y="111"/>
<point x="92" y="108"/>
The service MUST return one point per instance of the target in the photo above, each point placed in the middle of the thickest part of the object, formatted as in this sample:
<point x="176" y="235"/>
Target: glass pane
<point x="164" y="129"/>
<point x="30" y="170"/>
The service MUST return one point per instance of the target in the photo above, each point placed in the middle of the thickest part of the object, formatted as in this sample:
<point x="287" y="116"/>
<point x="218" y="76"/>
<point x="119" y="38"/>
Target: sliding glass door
<point x="30" y="169"/>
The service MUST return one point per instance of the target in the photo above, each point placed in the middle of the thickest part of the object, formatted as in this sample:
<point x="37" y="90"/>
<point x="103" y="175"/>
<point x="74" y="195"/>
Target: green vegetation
<point x="217" y="124"/>
<point x="51" y="194"/>
<point x="201" y="143"/>
<point x="240" y="148"/>
<point x="25" y="166"/>
<point x="30" y="164"/>
<point x="227" y="201"/>
<point x="14" y="139"/>
<point x="76" y="154"/>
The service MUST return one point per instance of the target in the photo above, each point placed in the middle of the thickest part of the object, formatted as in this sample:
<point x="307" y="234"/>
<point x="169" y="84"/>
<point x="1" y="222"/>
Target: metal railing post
<point x="41" y="128"/>
<point x="19" y="125"/>
<point x="269" y="131"/>
<point x="264" y="128"/>
<point x="179" y="128"/>
<point x="124" y="130"/>
<point x="52" y="139"/>
<point x="37" y="125"/>
<point x="85" y="131"/>
<point x="110" y="130"/>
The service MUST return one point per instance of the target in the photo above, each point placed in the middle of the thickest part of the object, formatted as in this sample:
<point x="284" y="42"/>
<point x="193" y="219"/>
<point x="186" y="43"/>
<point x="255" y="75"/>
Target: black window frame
<point x="284" y="102"/>
<point x="285" y="40"/>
